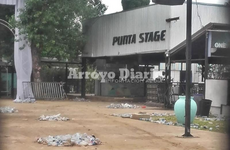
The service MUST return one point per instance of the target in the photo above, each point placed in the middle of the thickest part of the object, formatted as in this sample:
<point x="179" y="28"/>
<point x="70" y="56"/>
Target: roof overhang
<point x="198" y="44"/>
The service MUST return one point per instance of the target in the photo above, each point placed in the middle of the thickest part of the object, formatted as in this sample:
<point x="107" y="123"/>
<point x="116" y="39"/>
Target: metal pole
<point x="12" y="82"/>
<point x="206" y="67"/>
<point x="169" y="82"/>
<point x="83" y="77"/>
<point x="166" y="80"/>
<point x="188" y="69"/>
<point x="66" y="78"/>
<point x="206" y="55"/>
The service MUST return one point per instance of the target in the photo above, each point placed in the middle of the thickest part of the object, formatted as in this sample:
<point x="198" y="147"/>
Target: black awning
<point x="178" y="54"/>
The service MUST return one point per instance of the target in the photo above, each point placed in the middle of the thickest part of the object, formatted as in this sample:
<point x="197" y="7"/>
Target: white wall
<point x="148" y="19"/>
<point x="208" y="14"/>
<point x="217" y="91"/>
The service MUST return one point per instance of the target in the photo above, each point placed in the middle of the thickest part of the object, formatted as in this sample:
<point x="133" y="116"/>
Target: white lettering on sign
<point x="220" y="45"/>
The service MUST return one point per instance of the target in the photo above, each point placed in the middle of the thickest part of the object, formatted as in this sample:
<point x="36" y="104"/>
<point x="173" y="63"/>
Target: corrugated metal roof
<point x="8" y="2"/>
<point x="198" y="34"/>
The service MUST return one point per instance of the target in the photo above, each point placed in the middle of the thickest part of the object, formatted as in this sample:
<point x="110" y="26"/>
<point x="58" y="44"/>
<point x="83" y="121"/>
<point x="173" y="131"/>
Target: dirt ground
<point x="20" y="130"/>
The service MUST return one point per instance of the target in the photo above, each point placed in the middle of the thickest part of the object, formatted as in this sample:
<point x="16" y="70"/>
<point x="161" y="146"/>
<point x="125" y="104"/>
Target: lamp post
<point x="188" y="68"/>
<point x="188" y="57"/>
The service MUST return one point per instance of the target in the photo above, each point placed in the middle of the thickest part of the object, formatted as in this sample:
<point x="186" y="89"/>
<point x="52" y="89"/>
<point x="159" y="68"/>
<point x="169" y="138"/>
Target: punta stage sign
<point x="142" y="38"/>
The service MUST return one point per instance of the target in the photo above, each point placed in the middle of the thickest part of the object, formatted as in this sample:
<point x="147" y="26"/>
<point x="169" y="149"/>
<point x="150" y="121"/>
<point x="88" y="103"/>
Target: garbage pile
<point x="8" y="109"/>
<point x="53" y="118"/>
<point x="205" y="118"/>
<point x="70" y="140"/>
<point x="162" y="114"/>
<point x="161" y="121"/>
<point x="28" y="100"/>
<point x="122" y="105"/>
<point x="122" y="115"/>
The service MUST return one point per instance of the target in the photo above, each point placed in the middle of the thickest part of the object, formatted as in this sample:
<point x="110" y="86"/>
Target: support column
<point x="206" y="55"/>
<point x="202" y="72"/>
<point x="206" y="67"/>
<point x="145" y="85"/>
<point x="12" y="82"/>
<point x="167" y="79"/>
<point x="83" y="77"/>
<point x="188" y="69"/>
<point x="66" y="77"/>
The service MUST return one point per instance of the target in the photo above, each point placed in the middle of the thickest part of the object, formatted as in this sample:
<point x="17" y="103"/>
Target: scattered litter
<point x="8" y="109"/>
<point x="122" y="115"/>
<point x="195" y="126"/>
<point x="145" y="119"/>
<point x="122" y="105"/>
<point x="162" y="114"/>
<point x="169" y="123"/>
<point x="28" y="100"/>
<point x="162" y="118"/>
<point x="80" y="99"/>
<point x="53" y="118"/>
<point x="70" y="140"/>
<point x="126" y="115"/>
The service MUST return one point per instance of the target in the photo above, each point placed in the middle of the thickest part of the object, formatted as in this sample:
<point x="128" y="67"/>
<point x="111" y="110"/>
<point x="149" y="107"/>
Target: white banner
<point x="22" y="58"/>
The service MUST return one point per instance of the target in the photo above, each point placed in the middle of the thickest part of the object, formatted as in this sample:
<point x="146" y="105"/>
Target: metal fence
<point x="44" y="90"/>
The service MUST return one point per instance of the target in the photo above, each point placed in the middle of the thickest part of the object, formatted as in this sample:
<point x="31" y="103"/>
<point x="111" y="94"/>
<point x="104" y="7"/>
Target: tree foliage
<point x="54" y="27"/>
<point x="131" y="4"/>
<point x="6" y="38"/>
<point x="219" y="71"/>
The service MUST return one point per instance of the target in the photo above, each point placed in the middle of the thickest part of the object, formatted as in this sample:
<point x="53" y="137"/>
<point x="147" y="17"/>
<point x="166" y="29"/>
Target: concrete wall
<point x="222" y="111"/>
<point x="217" y="91"/>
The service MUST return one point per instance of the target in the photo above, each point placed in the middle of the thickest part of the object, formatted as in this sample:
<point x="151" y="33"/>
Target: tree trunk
<point x="36" y="67"/>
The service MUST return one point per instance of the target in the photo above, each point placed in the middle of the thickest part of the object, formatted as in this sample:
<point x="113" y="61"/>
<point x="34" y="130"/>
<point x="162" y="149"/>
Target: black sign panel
<point x="220" y="44"/>
<point x="220" y="39"/>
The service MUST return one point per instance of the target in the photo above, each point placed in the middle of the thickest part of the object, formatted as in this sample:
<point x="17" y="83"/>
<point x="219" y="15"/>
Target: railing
<point x="157" y="91"/>
<point x="44" y="90"/>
